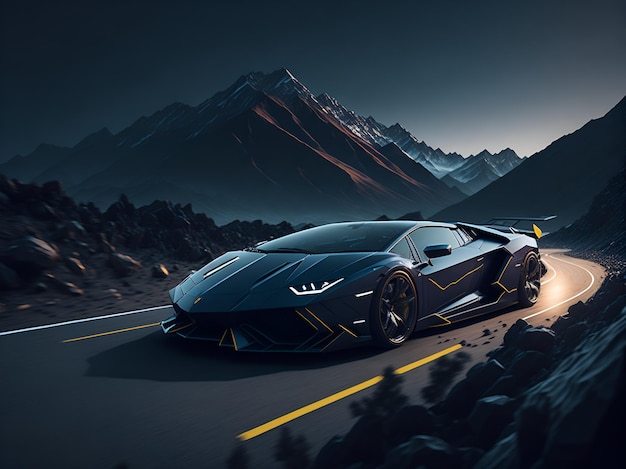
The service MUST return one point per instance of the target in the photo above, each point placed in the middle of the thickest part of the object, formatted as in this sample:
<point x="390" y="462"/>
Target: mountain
<point x="265" y="148"/>
<point x="367" y="128"/>
<point x="468" y="174"/>
<point x="599" y="234"/>
<point x="478" y="171"/>
<point x="436" y="161"/>
<point x="560" y="180"/>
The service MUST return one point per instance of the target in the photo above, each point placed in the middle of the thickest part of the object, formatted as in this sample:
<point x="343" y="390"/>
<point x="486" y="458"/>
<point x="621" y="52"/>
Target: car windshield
<point x="373" y="236"/>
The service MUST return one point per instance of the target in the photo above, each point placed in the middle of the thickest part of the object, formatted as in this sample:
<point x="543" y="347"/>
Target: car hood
<point x="244" y="280"/>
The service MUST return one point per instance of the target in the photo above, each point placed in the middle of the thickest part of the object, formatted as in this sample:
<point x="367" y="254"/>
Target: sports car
<point x="344" y="284"/>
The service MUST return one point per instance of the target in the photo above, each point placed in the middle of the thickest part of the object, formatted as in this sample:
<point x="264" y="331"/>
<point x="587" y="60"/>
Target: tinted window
<point x="339" y="237"/>
<point x="430" y="235"/>
<point x="465" y="238"/>
<point x="403" y="249"/>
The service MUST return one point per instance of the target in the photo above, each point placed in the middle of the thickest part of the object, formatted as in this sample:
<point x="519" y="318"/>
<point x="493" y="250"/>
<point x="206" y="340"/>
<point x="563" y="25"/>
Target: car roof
<point x="351" y="236"/>
<point x="407" y="224"/>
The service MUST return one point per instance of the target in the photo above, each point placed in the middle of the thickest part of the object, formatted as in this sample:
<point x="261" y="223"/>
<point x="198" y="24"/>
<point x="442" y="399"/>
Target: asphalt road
<point x="116" y="391"/>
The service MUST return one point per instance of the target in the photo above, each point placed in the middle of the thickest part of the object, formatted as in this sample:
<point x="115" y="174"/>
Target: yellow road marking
<point x="277" y="422"/>
<point x="101" y="334"/>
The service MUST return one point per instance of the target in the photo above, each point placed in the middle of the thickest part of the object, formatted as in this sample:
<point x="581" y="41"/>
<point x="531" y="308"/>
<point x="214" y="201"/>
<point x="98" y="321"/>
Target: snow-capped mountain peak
<point x="366" y="128"/>
<point x="281" y="85"/>
<point x="481" y="169"/>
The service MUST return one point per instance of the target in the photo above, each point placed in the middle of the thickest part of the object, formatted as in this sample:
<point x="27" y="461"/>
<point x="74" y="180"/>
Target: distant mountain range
<point x="265" y="148"/>
<point x="481" y="170"/>
<point x="560" y="180"/>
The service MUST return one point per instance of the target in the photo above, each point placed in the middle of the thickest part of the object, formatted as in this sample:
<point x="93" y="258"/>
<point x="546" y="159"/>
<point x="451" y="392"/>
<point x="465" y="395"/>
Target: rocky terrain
<point x="562" y="179"/>
<point x="53" y="250"/>
<point x="545" y="398"/>
<point x="600" y="235"/>
<point x="264" y="148"/>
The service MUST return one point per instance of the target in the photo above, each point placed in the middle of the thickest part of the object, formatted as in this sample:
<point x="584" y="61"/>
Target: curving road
<point x="114" y="390"/>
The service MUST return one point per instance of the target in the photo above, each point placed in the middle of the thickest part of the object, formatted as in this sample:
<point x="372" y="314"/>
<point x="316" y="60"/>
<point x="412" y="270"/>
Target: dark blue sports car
<point x="343" y="284"/>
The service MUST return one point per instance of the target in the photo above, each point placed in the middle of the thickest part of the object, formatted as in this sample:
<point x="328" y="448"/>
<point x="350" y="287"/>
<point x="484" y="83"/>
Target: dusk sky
<point x="461" y="75"/>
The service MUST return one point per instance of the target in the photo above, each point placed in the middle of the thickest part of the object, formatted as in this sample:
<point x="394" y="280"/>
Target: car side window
<point x="403" y="249"/>
<point x="463" y="236"/>
<point x="429" y="235"/>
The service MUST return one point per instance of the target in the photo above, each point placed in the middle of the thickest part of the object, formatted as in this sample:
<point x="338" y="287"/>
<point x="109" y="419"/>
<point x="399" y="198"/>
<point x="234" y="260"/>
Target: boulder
<point x="9" y="279"/>
<point x="425" y="451"/>
<point x="123" y="265"/>
<point x="75" y="266"/>
<point x="408" y="421"/>
<point x="483" y="375"/>
<point x="540" y="339"/>
<point x="159" y="271"/>
<point x="31" y="255"/>
<point x="489" y="417"/>
<point x="65" y="287"/>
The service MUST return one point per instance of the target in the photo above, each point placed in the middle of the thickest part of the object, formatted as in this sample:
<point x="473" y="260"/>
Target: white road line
<point x="154" y="308"/>
<point x="550" y="269"/>
<point x="76" y="321"/>
<point x="593" y="279"/>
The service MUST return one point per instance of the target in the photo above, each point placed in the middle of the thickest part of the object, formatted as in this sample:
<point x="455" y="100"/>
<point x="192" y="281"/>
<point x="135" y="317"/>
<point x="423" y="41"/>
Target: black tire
<point x="530" y="280"/>
<point x="394" y="310"/>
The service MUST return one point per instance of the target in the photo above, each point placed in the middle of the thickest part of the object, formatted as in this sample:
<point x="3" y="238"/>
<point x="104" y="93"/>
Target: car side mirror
<point x="437" y="250"/>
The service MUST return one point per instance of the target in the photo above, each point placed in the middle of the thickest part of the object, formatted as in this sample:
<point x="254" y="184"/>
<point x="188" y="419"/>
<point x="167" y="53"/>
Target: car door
<point x="449" y="278"/>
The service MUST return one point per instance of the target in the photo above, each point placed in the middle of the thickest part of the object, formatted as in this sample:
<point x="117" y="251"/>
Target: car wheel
<point x="394" y="310"/>
<point x="530" y="280"/>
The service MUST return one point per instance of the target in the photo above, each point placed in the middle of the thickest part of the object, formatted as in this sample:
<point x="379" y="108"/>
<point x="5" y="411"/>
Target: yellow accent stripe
<point x="321" y="322"/>
<point x="332" y="341"/>
<point x="456" y="281"/>
<point x="102" y="334"/>
<point x="181" y="328"/>
<point x="330" y="331"/>
<point x="309" y="322"/>
<point x="498" y="283"/>
<point x="277" y="422"/>
<point x="348" y="331"/>
<point x="232" y="334"/>
<point x="223" y="337"/>
<point x="446" y="322"/>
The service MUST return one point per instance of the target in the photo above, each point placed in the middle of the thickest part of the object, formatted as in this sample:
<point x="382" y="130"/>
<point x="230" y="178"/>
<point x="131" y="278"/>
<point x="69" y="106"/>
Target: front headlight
<point x="314" y="288"/>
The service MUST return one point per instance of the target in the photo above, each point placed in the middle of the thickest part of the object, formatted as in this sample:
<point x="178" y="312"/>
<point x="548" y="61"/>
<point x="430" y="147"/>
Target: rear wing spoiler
<point x="523" y="225"/>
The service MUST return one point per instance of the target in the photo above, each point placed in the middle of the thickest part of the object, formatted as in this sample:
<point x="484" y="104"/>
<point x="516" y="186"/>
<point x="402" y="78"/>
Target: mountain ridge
<point x="258" y="149"/>
<point x="266" y="147"/>
<point x="560" y="180"/>
<point x="282" y="84"/>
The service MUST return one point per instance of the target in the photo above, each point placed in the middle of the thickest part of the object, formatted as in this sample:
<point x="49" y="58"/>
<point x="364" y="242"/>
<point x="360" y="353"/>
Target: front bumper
<point x="275" y="330"/>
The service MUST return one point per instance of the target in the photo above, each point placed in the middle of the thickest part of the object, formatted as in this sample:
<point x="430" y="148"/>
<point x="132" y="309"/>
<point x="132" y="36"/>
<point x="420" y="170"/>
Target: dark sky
<point x="460" y="75"/>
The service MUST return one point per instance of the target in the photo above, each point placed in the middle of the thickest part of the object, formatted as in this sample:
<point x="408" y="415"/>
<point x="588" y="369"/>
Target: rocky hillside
<point x="545" y="398"/>
<point x="53" y="250"/>
<point x="263" y="148"/>
<point x="560" y="180"/>
<point x="600" y="234"/>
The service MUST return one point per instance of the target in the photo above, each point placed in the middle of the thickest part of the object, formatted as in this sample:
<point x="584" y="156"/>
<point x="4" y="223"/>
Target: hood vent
<point x="220" y="267"/>
<point x="276" y="271"/>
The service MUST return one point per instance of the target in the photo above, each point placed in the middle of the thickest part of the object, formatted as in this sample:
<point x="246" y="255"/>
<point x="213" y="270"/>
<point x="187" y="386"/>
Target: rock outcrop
<point x="545" y="398"/>
<point x="48" y="240"/>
